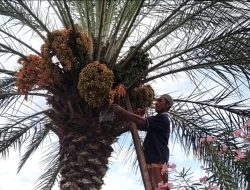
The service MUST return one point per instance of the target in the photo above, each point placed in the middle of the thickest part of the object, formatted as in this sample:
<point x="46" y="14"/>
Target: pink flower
<point x="223" y="149"/>
<point x="204" y="179"/>
<point x="197" y="151"/>
<point x="247" y="124"/>
<point x="202" y="140"/>
<point x="213" y="187"/>
<point x="172" y="166"/>
<point x="244" y="135"/>
<point x="164" y="185"/>
<point x="239" y="155"/>
<point x="237" y="133"/>
<point x="164" y="168"/>
<point x="209" y="139"/>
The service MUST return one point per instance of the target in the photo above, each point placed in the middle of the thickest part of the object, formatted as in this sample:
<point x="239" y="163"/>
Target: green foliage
<point x="137" y="66"/>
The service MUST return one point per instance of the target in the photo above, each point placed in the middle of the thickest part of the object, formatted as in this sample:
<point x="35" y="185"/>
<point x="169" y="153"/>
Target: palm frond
<point x="19" y="11"/>
<point x="127" y="28"/>
<point x="7" y="72"/>
<point x="212" y="113"/>
<point x="11" y="50"/>
<point x="59" y="10"/>
<point x="192" y="41"/>
<point x="47" y="180"/>
<point x="17" y="131"/>
<point x="6" y="83"/>
<point x="9" y="33"/>
<point x="232" y="67"/>
<point x="37" y="138"/>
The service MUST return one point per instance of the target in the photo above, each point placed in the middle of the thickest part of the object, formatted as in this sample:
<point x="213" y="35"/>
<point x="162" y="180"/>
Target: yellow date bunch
<point x="33" y="72"/>
<point x="95" y="83"/>
<point x="142" y="96"/>
<point x="64" y="42"/>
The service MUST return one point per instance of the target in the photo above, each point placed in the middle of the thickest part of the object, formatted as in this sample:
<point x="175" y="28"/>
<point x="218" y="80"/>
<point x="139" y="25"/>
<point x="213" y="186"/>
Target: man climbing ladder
<point x="155" y="145"/>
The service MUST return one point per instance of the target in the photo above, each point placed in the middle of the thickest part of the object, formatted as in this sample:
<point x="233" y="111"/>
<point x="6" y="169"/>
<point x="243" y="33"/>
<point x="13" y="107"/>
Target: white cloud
<point x="120" y="174"/>
<point x="27" y="177"/>
<point x="121" y="177"/>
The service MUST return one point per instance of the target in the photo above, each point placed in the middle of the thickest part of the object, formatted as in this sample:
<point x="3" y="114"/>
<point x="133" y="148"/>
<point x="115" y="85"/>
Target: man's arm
<point x="137" y="119"/>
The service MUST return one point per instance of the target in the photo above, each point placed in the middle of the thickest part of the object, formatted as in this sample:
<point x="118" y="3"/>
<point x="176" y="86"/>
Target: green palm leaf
<point x="38" y="137"/>
<point x="52" y="162"/>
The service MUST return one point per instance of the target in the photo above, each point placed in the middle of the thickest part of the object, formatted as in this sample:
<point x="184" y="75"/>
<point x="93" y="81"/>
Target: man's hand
<point x="117" y="109"/>
<point x="121" y="112"/>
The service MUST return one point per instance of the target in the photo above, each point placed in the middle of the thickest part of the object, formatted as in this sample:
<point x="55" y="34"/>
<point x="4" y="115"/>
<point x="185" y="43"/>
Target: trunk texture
<point x="84" y="158"/>
<point x="85" y="143"/>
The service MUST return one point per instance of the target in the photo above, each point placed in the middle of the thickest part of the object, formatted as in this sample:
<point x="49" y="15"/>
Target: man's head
<point x="164" y="103"/>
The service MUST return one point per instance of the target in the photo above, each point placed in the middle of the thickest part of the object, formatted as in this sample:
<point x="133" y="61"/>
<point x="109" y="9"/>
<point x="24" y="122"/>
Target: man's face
<point x="161" y="105"/>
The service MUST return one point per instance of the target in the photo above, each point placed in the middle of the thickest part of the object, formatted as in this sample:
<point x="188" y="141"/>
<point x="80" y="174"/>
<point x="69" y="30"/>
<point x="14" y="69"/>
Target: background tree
<point x="85" y="53"/>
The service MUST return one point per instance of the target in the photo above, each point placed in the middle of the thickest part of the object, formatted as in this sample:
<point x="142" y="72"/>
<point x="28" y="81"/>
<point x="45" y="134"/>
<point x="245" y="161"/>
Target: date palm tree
<point x="80" y="55"/>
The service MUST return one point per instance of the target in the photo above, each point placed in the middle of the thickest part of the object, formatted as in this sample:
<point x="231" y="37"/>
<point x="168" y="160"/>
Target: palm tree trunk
<point x="84" y="159"/>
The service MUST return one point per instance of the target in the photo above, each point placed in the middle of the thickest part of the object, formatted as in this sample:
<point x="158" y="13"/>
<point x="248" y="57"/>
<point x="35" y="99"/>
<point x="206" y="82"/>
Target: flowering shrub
<point x="218" y="153"/>
<point x="183" y="181"/>
<point x="166" y="168"/>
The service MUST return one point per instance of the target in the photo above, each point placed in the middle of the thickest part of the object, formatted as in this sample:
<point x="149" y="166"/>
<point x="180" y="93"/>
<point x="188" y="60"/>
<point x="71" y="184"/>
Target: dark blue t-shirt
<point x="156" y="141"/>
